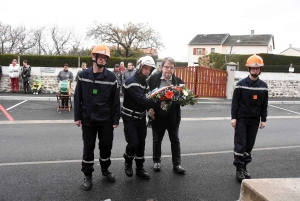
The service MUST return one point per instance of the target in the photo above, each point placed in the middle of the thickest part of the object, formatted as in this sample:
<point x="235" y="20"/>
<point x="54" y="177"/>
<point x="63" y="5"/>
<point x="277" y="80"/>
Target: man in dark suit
<point x="166" y="119"/>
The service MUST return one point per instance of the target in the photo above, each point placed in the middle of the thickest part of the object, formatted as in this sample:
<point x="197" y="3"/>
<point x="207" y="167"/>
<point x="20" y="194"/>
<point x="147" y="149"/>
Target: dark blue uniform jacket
<point x="97" y="99"/>
<point x="250" y="100"/>
<point x="135" y="99"/>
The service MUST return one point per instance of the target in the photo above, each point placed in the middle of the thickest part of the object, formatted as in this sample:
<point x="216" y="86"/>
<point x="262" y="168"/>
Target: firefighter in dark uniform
<point x="248" y="113"/>
<point x="97" y="109"/>
<point x="133" y="114"/>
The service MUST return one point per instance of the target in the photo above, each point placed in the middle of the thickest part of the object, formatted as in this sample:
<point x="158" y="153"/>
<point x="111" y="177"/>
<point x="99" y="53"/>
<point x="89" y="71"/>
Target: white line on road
<point x="284" y="109"/>
<point x="149" y="157"/>
<point x="182" y="119"/>
<point x="16" y="105"/>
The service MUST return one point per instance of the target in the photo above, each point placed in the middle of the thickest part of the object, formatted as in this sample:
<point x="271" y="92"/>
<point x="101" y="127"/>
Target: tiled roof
<point x="294" y="48"/>
<point x="209" y="39"/>
<point x="238" y="40"/>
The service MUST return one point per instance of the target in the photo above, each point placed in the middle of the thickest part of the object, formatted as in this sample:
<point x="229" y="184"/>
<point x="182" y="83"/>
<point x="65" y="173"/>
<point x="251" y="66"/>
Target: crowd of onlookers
<point x="17" y="72"/>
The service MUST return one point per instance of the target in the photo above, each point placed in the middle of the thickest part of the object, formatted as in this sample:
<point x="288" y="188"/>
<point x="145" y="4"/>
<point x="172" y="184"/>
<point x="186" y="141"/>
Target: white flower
<point x="185" y="93"/>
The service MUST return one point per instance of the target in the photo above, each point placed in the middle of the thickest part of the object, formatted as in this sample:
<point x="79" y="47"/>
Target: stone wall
<point x="281" y="85"/>
<point x="50" y="84"/>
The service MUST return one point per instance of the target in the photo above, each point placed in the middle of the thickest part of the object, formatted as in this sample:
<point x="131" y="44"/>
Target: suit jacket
<point x="174" y="111"/>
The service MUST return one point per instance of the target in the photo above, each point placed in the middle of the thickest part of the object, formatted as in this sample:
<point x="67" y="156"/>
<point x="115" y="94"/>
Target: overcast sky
<point x="176" y="21"/>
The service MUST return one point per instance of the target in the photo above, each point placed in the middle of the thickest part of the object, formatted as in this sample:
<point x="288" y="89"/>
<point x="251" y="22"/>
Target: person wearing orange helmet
<point x="248" y="113"/>
<point x="97" y="110"/>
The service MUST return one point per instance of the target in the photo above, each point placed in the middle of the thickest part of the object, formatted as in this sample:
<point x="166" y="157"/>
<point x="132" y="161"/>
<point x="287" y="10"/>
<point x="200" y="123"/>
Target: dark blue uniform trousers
<point x="244" y="140"/>
<point x="135" y="131"/>
<point x="105" y="136"/>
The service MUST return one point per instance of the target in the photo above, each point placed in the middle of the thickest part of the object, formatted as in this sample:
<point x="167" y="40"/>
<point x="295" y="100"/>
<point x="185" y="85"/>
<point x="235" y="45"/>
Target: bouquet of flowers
<point x="167" y="95"/>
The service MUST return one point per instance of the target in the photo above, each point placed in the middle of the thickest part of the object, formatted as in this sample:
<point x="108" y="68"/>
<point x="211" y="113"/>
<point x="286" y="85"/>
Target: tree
<point x="126" y="40"/>
<point x="61" y="39"/>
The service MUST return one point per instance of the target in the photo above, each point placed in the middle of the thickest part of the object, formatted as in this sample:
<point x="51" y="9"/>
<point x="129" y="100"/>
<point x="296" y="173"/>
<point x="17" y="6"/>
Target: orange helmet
<point x="101" y="49"/>
<point x="254" y="61"/>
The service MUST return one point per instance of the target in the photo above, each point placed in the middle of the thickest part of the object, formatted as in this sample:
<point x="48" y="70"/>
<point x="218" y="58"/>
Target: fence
<point x="205" y="82"/>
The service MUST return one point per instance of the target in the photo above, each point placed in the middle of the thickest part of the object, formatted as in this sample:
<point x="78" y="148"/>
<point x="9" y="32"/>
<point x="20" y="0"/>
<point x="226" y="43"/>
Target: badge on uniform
<point x="95" y="91"/>
<point x="254" y="97"/>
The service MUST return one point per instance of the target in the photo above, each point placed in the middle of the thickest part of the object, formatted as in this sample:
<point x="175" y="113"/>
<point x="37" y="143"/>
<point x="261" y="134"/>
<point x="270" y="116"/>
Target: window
<point x="199" y="51"/>
<point x="212" y="50"/>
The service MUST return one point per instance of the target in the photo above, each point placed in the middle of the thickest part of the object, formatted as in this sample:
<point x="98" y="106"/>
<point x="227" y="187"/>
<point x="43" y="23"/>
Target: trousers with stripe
<point x="244" y="140"/>
<point x="135" y="131"/>
<point x="89" y="135"/>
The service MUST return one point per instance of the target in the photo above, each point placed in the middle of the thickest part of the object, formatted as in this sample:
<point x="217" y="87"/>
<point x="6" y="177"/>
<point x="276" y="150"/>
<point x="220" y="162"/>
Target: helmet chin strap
<point x="99" y="65"/>
<point x="254" y="75"/>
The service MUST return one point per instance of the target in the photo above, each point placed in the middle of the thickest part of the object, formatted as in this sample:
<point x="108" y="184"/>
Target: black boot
<point x="246" y="173"/>
<point x="141" y="172"/>
<point x="109" y="175"/>
<point x="128" y="169"/>
<point x="128" y="165"/>
<point x="240" y="175"/>
<point x="87" y="182"/>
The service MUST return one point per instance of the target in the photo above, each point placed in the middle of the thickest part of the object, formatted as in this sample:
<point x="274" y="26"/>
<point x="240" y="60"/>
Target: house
<point x="203" y="44"/>
<point x="291" y="51"/>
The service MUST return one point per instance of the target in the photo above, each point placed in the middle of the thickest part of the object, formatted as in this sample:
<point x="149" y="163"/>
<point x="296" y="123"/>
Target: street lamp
<point x="291" y="69"/>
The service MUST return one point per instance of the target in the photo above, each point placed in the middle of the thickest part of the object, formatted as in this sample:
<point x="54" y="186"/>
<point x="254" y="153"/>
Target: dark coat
<point x="97" y="99"/>
<point x="250" y="100"/>
<point x="174" y="112"/>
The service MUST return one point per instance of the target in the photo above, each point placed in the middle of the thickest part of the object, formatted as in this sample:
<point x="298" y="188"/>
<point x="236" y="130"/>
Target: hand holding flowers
<point x="167" y="95"/>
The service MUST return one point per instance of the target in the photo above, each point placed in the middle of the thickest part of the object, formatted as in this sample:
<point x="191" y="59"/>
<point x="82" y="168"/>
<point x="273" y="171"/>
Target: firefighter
<point x="97" y="109"/>
<point x="248" y="113"/>
<point x="133" y="114"/>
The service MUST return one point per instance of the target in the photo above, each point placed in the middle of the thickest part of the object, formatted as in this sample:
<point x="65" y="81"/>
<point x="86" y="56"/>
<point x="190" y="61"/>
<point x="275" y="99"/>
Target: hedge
<point x="58" y="61"/>
<point x="273" y="62"/>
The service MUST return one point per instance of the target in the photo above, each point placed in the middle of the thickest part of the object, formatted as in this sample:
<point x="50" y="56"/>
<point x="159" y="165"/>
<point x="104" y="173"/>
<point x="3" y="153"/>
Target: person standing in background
<point x="120" y="77"/>
<point x="14" y="73"/>
<point x="122" y="67"/>
<point x="129" y="71"/>
<point x="25" y="73"/>
<point x="65" y="74"/>
<point x="83" y="67"/>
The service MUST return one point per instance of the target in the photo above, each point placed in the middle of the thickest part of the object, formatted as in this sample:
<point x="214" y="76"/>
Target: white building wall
<point x="291" y="52"/>
<point x="192" y="59"/>
<point x="245" y="49"/>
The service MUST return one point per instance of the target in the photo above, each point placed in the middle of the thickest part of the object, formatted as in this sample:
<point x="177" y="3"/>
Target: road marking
<point x="182" y="119"/>
<point x="284" y="109"/>
<point x="16" y="105"/>
<point x="6" y="113"/>
<point x="148" y="157"/>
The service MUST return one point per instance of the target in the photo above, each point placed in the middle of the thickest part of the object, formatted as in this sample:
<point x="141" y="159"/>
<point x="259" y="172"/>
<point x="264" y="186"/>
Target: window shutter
<point x="194" y="51"/>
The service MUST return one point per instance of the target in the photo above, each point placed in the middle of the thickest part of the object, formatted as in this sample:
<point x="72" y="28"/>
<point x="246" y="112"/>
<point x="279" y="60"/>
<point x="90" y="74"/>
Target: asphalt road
<point x="40" y="151"/>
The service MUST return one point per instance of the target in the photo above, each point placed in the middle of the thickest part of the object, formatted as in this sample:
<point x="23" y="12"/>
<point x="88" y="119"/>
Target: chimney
<point x="290" y="45"/>
<point x="252" y="32"/>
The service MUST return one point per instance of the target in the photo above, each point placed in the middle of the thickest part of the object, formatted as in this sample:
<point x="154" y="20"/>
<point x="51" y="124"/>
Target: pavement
<point x="52" y="97"/>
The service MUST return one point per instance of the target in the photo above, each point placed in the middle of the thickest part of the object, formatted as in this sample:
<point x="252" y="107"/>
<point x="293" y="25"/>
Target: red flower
<point x="169" y="94"/>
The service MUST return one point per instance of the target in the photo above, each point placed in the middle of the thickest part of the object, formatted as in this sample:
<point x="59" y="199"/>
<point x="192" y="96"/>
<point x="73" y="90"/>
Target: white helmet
<point x="146" y="60"/>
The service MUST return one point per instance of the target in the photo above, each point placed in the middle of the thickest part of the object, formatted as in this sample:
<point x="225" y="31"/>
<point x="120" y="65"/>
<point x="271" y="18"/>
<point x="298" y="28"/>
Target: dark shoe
<point x="87" y="182"/>
<point x="156" y="167"/>
<point x="109" y="175"/>
<point x="128" y="169"/>
<point x="142" y="173"/>
<point x="178" y="169"/>
<point x="246" y="173"/>
<point x="240" y="175"/>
